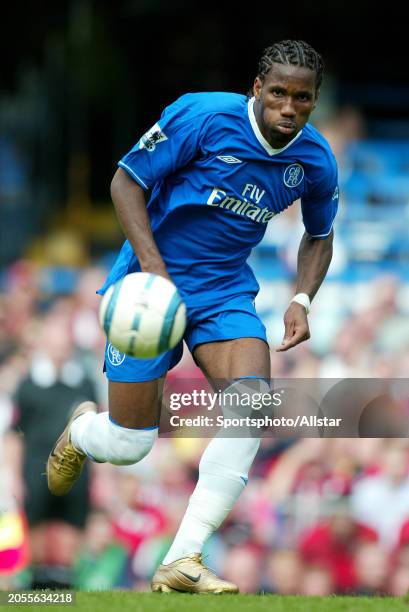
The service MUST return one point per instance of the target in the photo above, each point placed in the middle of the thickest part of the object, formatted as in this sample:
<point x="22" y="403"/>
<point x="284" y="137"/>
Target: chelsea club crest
<point x="293" y="175"/>
<point x="115" y="357"/>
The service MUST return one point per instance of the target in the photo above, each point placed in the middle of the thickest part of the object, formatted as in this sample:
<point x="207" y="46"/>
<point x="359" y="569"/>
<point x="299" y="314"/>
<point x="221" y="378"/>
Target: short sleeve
<point x="169" y="145"/>
<point x="320" y="202"/>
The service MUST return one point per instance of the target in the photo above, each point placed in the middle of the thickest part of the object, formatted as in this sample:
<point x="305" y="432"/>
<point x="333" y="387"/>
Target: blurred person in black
<point x="55" y="384"/>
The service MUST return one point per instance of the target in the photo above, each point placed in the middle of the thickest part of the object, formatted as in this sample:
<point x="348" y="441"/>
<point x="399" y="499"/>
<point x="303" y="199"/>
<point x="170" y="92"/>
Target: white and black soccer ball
<point x="143" y="315"/>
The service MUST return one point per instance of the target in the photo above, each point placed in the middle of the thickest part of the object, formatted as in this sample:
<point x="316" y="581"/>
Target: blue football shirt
<point x="216" y="183"/>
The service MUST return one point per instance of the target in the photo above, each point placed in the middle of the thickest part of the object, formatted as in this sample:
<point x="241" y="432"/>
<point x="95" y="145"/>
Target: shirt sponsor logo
<point x="259" y="214"/>
<point x="115" y="357"/>
<point x="152" y="138"/>
<point x="336" y="194"/>
<point x="293" y="175"/>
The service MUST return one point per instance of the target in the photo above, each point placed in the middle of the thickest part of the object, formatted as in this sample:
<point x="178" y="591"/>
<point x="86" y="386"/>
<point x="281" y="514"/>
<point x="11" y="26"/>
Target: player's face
<point x="284" y="101"/>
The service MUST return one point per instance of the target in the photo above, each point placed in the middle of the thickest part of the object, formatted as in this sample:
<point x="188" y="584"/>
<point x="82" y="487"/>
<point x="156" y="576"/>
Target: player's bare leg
<point x="223" y="472"/>
<point x="135" y="405"/>
<point x="122" y="436"/>
<point x="233" y="359"/>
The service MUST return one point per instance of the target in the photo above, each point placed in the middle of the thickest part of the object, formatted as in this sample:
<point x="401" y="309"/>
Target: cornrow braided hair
<point x="295" y="52"/>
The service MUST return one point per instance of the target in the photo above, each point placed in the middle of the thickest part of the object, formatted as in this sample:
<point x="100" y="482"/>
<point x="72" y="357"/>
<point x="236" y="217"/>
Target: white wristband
<point x="304" y="300"/>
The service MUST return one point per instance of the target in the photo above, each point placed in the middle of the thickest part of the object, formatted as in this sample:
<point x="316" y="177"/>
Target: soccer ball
<point x="143" y="315"/>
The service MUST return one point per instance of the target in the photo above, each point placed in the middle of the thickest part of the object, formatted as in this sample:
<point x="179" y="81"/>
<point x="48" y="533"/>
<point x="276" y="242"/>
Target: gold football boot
<point x="65" y="463"/>
<point x="189" y="575"/>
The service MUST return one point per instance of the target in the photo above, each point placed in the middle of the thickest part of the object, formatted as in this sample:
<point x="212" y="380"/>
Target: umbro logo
<point x="229" y="159"/>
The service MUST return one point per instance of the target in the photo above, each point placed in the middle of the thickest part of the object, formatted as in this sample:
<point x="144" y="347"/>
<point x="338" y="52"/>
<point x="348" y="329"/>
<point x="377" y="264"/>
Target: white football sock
<point x="102" y="440"/>
<point x="223" y="474"/>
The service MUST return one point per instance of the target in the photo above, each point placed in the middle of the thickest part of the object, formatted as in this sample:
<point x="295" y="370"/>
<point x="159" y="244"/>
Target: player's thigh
<point x="135" y="404"/>
<point x="230" y="359"/>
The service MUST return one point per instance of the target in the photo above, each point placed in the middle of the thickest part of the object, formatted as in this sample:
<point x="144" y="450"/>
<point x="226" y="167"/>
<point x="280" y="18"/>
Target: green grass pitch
<point x="116" y="601"/>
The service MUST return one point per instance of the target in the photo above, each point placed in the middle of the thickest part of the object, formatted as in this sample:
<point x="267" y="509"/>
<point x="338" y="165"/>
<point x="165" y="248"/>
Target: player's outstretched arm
<point x="130" y="206"/>
<point x="314" y="257"/>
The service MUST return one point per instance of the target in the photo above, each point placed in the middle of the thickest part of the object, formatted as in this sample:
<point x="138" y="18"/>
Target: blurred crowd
<point x="318" y="516"/>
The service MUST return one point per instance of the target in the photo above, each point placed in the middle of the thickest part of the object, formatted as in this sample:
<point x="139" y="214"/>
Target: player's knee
<point x="128" y="446"/>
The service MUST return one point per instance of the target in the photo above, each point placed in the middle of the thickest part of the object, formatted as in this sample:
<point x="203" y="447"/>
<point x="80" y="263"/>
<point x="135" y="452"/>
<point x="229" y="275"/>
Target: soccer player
<point x="220" y="167"/>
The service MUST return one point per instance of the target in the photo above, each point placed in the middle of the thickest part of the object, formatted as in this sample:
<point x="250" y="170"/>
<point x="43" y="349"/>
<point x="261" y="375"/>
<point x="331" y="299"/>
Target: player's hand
<point x="296" y="327"/>
<point x="158" y="268"/>
<point x="163" y="272"/>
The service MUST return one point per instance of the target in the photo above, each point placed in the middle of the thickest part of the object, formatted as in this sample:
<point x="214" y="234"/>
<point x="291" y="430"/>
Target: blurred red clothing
<point x="320" y="545"/>
<point x="134" y="525"/>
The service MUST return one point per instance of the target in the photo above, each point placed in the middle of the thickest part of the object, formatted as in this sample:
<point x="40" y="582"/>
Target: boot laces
<point x="70" y="462"/>
<point x="208" y="569"/>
